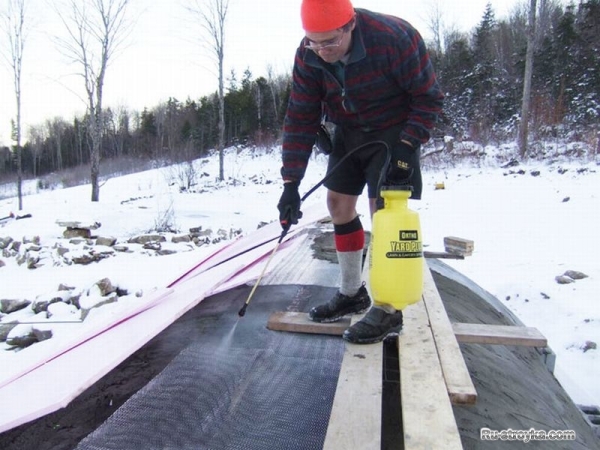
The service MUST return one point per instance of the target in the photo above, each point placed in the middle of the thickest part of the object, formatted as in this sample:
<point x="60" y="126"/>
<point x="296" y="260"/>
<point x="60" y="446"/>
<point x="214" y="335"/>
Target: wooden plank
<point x="458" y="380"/>
<point x="465" y="333"/>
<point x="355" y="420"/>
<point x="427" y="416"/>
<point x="473" y="333"/>
<point x="442" y="255"/>
<point x="298" y="322"/>
<point x="458" y="245"/>
<point x="466" y="244"/>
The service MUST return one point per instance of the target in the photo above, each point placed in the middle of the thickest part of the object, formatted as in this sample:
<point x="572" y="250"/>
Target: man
<point x="371" y="76"/>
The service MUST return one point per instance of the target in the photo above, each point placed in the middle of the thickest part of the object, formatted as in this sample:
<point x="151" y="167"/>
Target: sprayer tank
<point x="396" y="256"/>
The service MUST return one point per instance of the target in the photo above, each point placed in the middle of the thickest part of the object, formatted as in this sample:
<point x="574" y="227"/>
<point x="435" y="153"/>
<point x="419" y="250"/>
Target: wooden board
<point x="298" y="322"/>
<point x="442" y="255"/>
<point x="355" y="420"/>
<point x="427" y="416"/>
<point x="458" y="245"/>
<point x="472" y="333"/>
<point x="458" y="380"/>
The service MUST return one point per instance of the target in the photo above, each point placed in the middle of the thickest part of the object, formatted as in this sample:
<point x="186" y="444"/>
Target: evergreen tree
<point x="484" y="76"/>
<point x="456" y="78"/>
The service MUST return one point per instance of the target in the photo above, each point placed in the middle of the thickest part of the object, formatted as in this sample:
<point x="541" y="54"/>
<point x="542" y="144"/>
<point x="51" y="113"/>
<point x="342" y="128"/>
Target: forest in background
<point x="481" y="73"/>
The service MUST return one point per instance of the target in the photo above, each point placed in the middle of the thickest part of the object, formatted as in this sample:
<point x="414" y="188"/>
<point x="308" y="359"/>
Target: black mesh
<point x="236" y="386"/>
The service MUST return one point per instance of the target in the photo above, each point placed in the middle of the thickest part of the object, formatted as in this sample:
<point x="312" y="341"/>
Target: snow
<point x="528" y="228"/>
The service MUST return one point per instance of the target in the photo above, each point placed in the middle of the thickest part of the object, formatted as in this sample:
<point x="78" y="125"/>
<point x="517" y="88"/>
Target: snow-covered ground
<point x="530" y="223"/>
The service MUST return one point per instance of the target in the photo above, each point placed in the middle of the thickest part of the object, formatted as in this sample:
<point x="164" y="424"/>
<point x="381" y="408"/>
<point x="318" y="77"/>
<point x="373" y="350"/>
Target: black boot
<point x="374" y="327"/>
<point x="340" y="305"/>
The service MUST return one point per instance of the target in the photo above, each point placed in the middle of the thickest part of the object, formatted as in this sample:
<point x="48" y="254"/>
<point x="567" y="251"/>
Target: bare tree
<point x="14" y="25"/>
<point x="524" y="127"/>
<point x="96" y="30"/>
<point x="435" y="25"/>
<point x="211" y="14"/>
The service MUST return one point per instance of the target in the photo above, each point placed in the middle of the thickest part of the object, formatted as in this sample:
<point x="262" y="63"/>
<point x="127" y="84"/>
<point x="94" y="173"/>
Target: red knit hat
<point x="325" y="15"/>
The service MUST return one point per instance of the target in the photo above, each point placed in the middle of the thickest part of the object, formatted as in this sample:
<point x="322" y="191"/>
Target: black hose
<point x="382" y="174"/>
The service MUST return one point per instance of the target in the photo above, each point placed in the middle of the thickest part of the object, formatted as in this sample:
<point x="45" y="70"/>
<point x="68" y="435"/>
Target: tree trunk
<point x="221" y="126"/>
<point x="524" y="127"/>
<point x="97" y="33"/>
<point x="16" y="32"/>
<point x="95" y="163"/>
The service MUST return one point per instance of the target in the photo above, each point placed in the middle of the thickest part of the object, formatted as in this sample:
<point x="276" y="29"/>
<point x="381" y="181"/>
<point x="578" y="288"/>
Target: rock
<point x="32" y="240"/>
<point x="107" y="241"/>
<point x="153" y="245"/>
<point x="535" y="173"/>
<point x="5" y="329"/>
<point x="70" y="233"/>
<point x="105" y="287"/>
<point x="589" y="345"/>
<point x="22" y="341"/>
<point x="64" y="287"/>
<point x="201" y="233"/>
<point x="2" y="263"/>
<point x="181" y="238"/>
<point x="42" y="334"/>
<point x="77" y="241"/>
<point x="42" y="302"/>
<point x="33" y="260"/>
<point x="62" y="251"/>
<point x="166" y="251"/>
<point x="84" y="259"/>
<point x="63" y="311"/>
<point x="566" y="199"/>
<point x="88" y="258"/>
<point x="575" y="275"/>
<point x="21" y="336"/>
<point x="561" y="279"/>
<point x="10" y="306"/>
<point x="103" y="251"/>
<point x="5" y="242"/>
<point x="147" y="238"/>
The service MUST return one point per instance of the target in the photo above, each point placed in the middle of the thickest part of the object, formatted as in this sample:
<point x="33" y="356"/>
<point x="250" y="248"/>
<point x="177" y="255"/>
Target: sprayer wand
<point x="286" y="227"/>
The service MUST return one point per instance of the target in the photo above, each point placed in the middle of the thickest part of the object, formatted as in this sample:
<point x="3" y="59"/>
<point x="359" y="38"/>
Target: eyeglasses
<point x="329" y="43"/>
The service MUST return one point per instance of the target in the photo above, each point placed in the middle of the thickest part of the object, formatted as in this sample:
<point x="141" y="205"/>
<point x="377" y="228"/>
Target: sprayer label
<point x="408" y="245"/>
<point x="408" y="235"/>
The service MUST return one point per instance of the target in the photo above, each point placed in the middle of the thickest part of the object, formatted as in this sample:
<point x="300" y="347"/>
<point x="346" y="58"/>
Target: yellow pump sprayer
<point x="396" y="257"/>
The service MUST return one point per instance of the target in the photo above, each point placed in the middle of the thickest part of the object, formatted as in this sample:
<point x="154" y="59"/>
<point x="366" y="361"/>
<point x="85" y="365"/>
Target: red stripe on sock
<point x="350" y="242"/>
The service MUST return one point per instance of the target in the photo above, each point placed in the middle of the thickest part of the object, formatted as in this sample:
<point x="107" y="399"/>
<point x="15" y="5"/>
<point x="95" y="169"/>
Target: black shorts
<point x="364" y="167"/>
